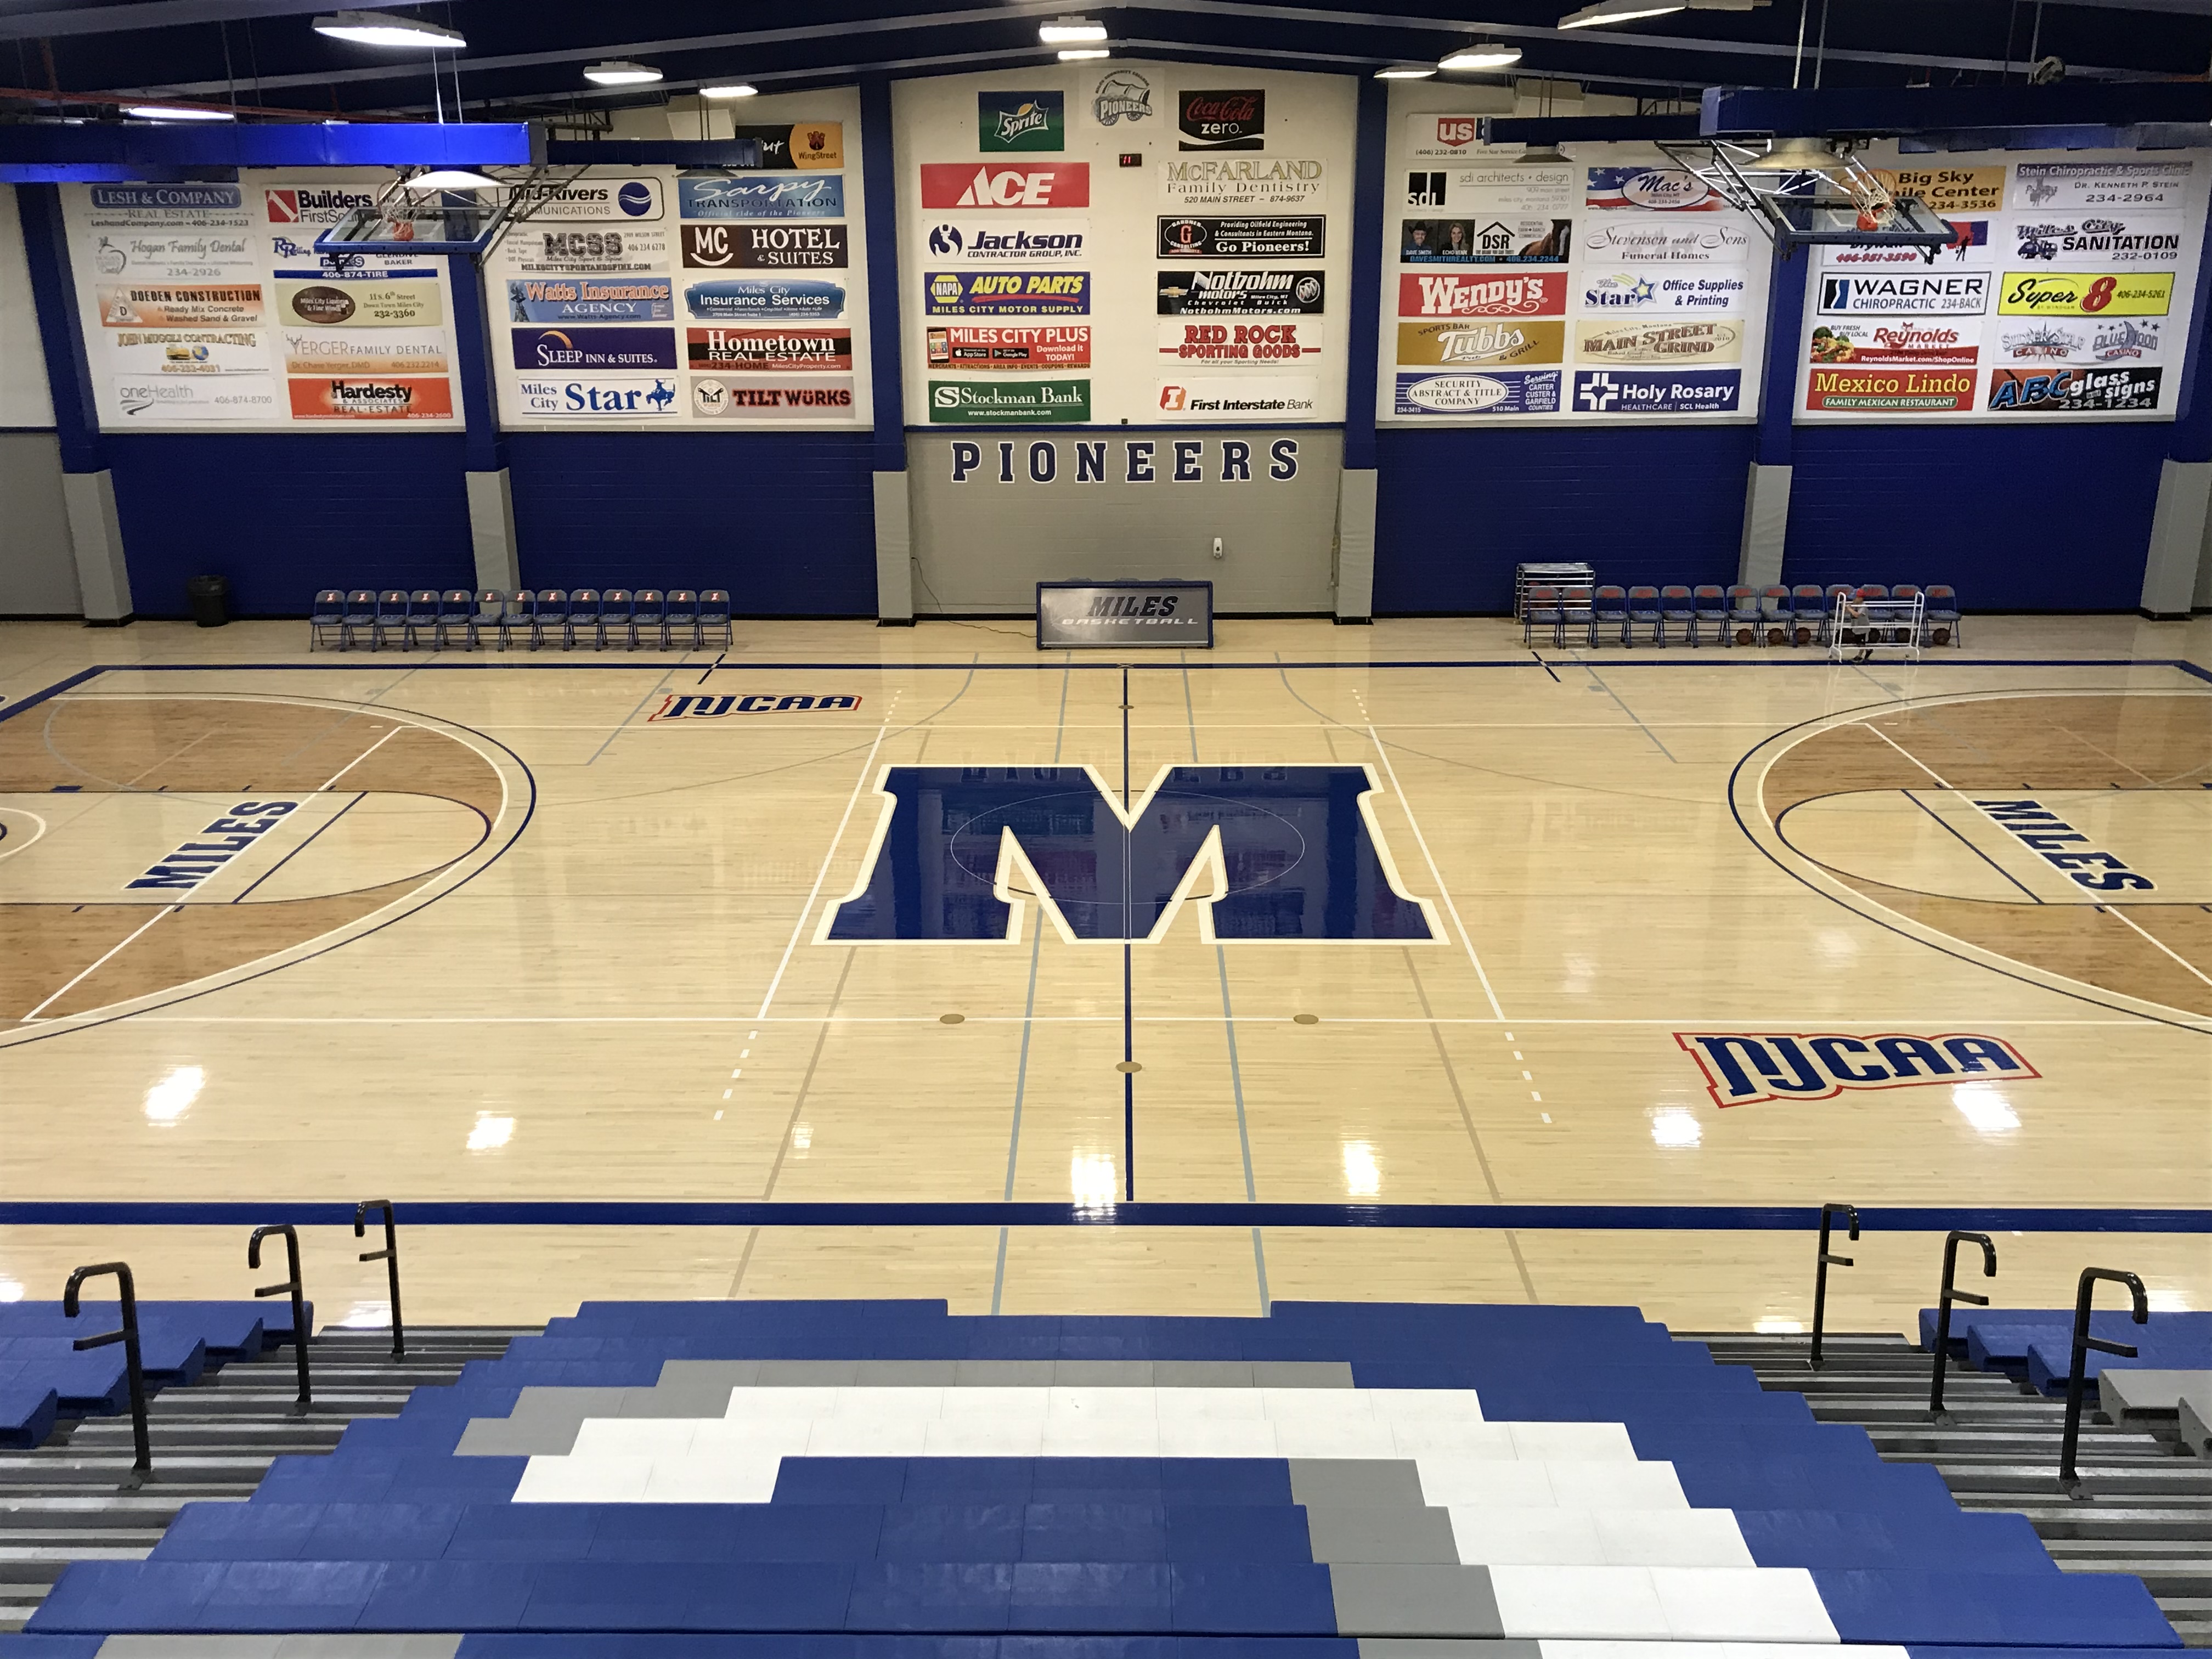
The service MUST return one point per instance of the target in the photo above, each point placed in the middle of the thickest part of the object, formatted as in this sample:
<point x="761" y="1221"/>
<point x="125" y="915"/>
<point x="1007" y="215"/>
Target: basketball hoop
<point x="1812" y="191"/>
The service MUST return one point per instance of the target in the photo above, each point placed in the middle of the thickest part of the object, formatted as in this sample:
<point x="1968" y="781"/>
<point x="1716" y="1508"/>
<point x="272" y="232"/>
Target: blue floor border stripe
<point x="1244" y="1215"/>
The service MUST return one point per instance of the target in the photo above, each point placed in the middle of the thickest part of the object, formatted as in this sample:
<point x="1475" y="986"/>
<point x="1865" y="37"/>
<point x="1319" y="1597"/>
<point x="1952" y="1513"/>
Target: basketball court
<point x="1464" y="970"/>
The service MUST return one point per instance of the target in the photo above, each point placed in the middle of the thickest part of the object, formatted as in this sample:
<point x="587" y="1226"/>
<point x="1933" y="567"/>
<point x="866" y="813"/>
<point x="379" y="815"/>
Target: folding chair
<point x="614" y="617"/>
<point x="680" y="622"/>
<point x="551" y="617"/>
<point x="1677" y="608"/>
<point x="457" y="615"/>
<point x="649" y="616"/>
<point x="1578" y="610"/>
<point x="327" y="622"/>
<point x="1942" y="616"/>
<point x="1711" y="606"/>
<point x="1837" y="592"/>
<point x="1542" y="610"/>
<point x="1774" y="616"/>
<point x="1643" y="607"/>
<point x="715" y="617"/>
<point x="583" y="619"/>
<point x="423" y="609"/>
<point x="360" y="618"/>
<point x="391" y="618"/>
<point x="489" y="617"/>
<point x="1742" y="616"/>
<point x="1609" y="610"/>
<point x="518" y="617"/>
<point x="1811" y="606"/>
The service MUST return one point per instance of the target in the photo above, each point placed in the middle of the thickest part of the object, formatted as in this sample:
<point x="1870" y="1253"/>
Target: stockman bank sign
<point x="988" y="403"/>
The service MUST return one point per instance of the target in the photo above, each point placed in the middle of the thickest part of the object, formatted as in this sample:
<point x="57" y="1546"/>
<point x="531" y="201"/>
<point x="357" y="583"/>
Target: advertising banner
<point x="1303" y="237"/>
<point x="1888" y="390"/>
<point x="764" y="299"/>
<point x="719" y="195"/>
<point x="413" y="304"/>
<point x="1697" y="341"/>
<point x="597" y="397"/>
<point x="1021" y="121"/>
<point x="1265" y="343"/>
<point x="179" y="305"/>
<point x="1242" y="182"/>
<point x="1534" y="294"/>
<point x="1948" y="191"/>
<point x="1029" y="241"/>
<point x="1006" y="185"/>
<point x="1007" y="293"/>
<point x="1524" y="392"/>
<point x="398" y="398"/>
<point x="1019" y="347"/>
<point x="1898" y="340"/>
<point x="2057" y="294"/>
<point x="530" y="251"/>
<point x="807" y="146"/>
<point x="2064" y="390"/>
<point x="388" y="351"/>
<point x="764" y="247"/>
<point x="1522" y="239"/>
<point x="590" y="300"/>
<point x="1631" y="392"/>
<point x="189" y="351"/>
<point x="1612" y="292"/>
<point x="986" y="403"/>
<point x="1482" y="342"/>
<point x="567" y="349"/>
<point x="714" y="398"/>
<point x="1221" y="120"/>
<point x="1239" y="397"/>
<point x="770" y="349"/>
<point x="1241" y="293"/>
<point x="608" y="200"/>
<point x="1936" y="294"/>
<point x="2107" y="186"/>
<point x="1078" y="615"/>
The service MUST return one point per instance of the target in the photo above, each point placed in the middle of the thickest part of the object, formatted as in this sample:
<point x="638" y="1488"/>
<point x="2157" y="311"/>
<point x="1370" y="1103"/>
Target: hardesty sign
<point x="1280" y="827"/>
<point x="1743" y="1068"/>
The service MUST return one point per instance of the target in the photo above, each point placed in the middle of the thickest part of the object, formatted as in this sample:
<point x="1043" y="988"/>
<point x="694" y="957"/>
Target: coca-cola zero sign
<point x="1221" y="120"/>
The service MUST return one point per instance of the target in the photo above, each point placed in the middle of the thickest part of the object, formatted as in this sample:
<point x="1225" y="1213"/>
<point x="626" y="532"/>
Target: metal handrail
<point x="1951" y="1242"/>
<point x="132" y="1366"/>
<point x="1820" y="1276"/>
<point x="390" y="1256"/>
<point x="298" y="1297"/>
<point x="2085" y="1293"/>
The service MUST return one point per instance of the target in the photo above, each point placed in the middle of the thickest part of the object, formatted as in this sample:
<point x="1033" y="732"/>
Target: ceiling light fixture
<point x="1070" y="31"/>
<point x="1405" y="72"/>
<point x="1482" y="55"/>
<point x="175" y="113"/>
<point x="1082" y="54"/>
<point x="620" y="72"/>
<point x="452" y="178"/>
<point x="1618" y="11"/>
<point x="735" y="89"/>
<point x="381" y="29"/>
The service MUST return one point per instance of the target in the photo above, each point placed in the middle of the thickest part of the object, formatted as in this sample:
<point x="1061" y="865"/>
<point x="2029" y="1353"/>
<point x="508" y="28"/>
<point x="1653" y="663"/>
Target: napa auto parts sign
<point x="1006" y="183"/>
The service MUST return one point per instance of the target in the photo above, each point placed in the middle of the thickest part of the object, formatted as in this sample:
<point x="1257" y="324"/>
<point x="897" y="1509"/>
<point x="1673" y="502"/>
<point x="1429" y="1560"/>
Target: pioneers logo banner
<point x="1542" y="294"/>
<point x="1006" y="185"/>
<point x="1743" y="1070"/>
<point x="1011" y="346"/>
<point x="1221" y="120"/>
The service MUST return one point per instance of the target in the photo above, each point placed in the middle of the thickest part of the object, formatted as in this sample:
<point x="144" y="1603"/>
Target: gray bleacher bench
<point x="2185" y="1396"/>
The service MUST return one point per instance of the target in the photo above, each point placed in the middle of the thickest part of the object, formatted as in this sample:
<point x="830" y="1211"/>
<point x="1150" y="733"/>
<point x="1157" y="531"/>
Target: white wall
<point x="23" y="398"/>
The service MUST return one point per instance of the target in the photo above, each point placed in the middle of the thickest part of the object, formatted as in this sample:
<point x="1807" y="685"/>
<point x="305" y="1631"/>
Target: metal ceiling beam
<point x="1244" y="10"/>
<point x="20" y="23"/>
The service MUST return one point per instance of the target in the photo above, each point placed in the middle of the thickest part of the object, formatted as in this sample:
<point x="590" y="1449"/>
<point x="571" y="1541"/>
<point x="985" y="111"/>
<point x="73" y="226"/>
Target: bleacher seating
<point x="885" y="1481"/>
<point x="2036" y="1344"/>
<point x="43" y="1376"/>
<point x="1739" y="616"/>
<point x="676" y="618"/>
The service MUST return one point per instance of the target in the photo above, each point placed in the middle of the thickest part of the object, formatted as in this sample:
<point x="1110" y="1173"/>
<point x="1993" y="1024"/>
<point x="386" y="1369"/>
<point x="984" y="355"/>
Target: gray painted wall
<point x="37" y="572"/>
<point x="983" y="541"/>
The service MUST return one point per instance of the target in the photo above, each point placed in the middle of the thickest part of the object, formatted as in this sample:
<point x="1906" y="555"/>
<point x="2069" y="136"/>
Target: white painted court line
<point x="867" y="769"/>
<point x="1941" y="781"/>
<point x="1422" y="841"/>
<point x="1736" y="1020"/>
<point x="95" y="967"/>
<point x="362" y="756"/>
<point x="2115" y="910"/>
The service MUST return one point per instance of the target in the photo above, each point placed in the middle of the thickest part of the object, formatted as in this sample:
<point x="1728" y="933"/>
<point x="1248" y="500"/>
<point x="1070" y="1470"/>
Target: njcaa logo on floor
<point x="686" y="705"/>
<point x="1742" y="1069"/>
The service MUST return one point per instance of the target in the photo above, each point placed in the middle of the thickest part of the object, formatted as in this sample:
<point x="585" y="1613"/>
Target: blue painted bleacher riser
<point x="2037" y="1345"/>
<point x="42" y="1375"/>
<point x="1138" y="1556"/>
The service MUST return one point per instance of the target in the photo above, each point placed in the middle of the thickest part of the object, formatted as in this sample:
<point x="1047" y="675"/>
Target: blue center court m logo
<point x="1264" y="852"/>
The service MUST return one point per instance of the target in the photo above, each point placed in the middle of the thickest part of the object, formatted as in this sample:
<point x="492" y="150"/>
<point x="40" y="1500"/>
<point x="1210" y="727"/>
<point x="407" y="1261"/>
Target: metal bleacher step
<point x="2144" y="1506"/>
<point x="73" y="1498"/>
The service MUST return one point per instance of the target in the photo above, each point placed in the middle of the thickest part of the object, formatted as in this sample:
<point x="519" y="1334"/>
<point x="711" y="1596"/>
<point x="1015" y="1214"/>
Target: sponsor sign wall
<point x="206" y="305"/>
<point x="659" y="296"/>
<point x="1611" y="287"/>
<point x="1047" y="283"/>
<point x="2067" y="294"/>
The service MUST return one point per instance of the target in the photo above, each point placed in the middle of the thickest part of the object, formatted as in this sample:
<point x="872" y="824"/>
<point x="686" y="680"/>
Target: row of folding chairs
<point x="616" y="618"/>
<point x="1710" y="614"/>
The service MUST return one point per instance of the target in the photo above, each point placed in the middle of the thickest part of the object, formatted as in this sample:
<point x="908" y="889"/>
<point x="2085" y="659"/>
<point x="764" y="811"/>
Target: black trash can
<point x="209" y="598"/>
